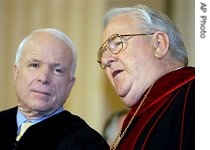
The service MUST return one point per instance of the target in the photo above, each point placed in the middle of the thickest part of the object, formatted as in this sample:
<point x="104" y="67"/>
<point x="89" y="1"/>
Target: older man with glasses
<point x="146" y="61"/>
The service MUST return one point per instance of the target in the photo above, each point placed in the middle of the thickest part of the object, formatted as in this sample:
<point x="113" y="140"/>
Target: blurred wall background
<point x="92" y="97"/>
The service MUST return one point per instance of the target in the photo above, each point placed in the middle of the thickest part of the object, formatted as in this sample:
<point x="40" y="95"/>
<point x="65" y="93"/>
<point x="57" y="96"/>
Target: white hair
<point x="58" y="34"/>
<point x="151" y="21"/>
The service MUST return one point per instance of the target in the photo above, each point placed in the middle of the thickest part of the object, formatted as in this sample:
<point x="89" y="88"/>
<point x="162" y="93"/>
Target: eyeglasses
<point x="115" y="44"/>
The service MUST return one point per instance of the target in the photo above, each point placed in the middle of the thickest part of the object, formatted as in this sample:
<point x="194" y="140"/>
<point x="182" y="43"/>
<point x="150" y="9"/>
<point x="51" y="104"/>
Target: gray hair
<point x="58" y="34"/>
<point x="151" y="21"/>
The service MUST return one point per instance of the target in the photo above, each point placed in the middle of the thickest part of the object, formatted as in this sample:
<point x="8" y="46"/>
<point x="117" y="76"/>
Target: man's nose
<point x="44" y="75"/>
<point x="108" y="58"/>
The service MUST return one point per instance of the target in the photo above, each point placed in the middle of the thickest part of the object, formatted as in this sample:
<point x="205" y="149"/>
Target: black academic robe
<point x="166" y="120"/>
<point x="63" y="131"/>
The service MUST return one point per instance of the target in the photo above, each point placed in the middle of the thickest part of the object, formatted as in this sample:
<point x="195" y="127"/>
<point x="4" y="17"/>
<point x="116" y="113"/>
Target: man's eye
<point x="34" y="65"/>
<point x="58" y="70"/>
<point x="115" y="45"/>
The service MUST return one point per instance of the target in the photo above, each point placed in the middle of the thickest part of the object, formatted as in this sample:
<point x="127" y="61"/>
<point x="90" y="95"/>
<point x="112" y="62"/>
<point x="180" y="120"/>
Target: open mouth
<point x="115" y="73"/>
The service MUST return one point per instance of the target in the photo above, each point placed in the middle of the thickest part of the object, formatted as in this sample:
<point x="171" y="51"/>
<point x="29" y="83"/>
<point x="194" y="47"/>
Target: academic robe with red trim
<point x="166" y="120"/>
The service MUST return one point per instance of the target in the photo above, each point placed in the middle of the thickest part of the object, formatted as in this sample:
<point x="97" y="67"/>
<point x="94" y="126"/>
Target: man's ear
<point x="161" y="44"/>
<point x="71" y="84"/>
<point x="15" y="72"/>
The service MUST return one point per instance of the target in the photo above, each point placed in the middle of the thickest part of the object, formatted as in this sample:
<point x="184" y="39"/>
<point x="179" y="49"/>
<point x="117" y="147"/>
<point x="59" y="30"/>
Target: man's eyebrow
<point x="33" y="60"/>
<point x="57" y="64"/>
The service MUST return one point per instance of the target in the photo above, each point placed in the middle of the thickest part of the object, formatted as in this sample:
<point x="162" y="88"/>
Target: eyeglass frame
<point x="103" y="48"/>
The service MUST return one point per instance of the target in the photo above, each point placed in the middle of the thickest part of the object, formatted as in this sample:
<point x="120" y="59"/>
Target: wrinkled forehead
<point x="121" y="24"/>
<point x="46" y="46"/>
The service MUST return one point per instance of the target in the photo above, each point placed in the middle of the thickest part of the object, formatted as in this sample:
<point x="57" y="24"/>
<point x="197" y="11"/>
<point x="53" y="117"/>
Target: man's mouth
<point x="41" y="92"/>
<point x="115" y="73"/>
